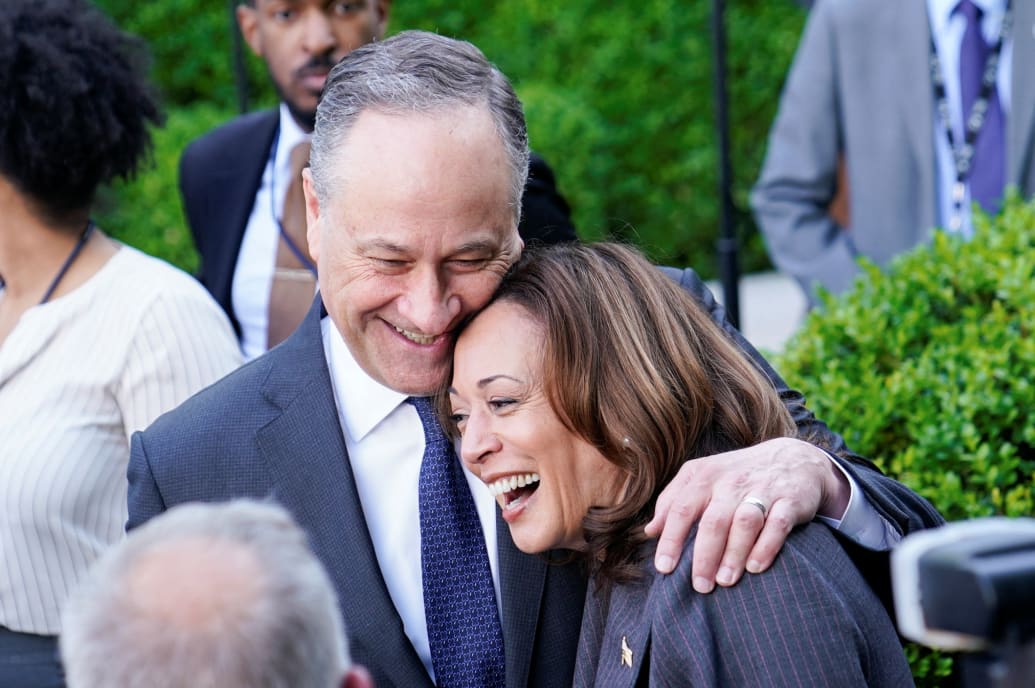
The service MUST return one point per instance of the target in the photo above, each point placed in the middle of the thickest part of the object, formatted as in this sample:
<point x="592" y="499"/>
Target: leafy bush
<point x="618" y="97"/>
<point x="191" y="42"/>
<point x="619" y="100"/>
<point x="927" y="369"/>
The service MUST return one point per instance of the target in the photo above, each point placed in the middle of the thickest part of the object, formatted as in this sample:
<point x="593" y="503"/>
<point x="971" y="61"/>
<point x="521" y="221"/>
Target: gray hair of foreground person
<point x="208" y="595"/>
<point x="415" y="71"/>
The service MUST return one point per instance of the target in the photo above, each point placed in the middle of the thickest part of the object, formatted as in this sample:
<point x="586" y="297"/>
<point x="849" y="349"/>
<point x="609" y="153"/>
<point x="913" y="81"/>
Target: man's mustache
<point x="317" y="64"/>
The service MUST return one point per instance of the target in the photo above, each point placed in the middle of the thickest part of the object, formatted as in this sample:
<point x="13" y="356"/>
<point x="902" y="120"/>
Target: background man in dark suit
<point x="419" y="157"/>
<point x="236" y="181"/>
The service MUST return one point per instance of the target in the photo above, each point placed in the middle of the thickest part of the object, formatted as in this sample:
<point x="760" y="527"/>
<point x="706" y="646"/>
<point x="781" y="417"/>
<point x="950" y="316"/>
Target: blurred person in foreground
<point x="209" y="596"/>
<point x="241" y="182"/>
<point x="575" y="428"/>
<point x="419" y="161"/>
<point x="96" y="338"/>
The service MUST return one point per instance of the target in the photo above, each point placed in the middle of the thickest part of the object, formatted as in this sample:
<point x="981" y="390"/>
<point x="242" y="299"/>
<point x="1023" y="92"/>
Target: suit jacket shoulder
<point x="809" y="620"/>
<point x="545" y="215"/>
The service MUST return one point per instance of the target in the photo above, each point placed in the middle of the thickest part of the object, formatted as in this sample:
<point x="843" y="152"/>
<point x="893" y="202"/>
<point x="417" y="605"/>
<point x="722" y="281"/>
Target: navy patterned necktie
<point x="987" y="175"/>
<point x="459" y="598"/>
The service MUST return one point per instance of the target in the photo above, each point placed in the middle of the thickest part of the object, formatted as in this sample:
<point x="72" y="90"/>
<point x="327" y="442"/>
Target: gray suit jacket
<point x="809" y="621"/>
<point x="271" y="430"/>
<point x="860" y="86"/>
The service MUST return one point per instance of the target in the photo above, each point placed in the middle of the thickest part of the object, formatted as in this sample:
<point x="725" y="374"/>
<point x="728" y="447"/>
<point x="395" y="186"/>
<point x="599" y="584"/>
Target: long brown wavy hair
<point x="633" y="365"/>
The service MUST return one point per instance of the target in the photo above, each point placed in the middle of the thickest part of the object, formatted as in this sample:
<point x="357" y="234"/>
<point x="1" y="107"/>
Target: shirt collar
<point x="364" y="402"/>
<point x="941" y="11"/>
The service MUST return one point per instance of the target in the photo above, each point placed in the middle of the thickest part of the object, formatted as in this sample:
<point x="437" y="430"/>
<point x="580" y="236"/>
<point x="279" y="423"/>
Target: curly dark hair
<point x="74" y="103"/>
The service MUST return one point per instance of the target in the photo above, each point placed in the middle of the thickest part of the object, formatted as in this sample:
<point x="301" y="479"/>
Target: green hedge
<point x="928" y="366"/>
<point x="619" y="99"/>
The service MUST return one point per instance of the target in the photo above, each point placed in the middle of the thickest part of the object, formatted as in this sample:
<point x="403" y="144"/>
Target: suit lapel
<point x="1021" y="122"/>
<point x="237" y="181"/>
<point x="521" y="587"/>
<point x="626" y="639"/>
<point x="305" y="451"/>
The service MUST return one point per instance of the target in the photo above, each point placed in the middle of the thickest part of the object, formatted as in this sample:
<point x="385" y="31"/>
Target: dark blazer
<point x="810" y="620"/>
<point x="271" y="430"/>
<point x="220" y="174"/>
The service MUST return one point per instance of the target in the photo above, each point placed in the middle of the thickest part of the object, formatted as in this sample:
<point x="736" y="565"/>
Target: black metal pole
<point x="727" y="243"/>
<point x="240" y="68"/>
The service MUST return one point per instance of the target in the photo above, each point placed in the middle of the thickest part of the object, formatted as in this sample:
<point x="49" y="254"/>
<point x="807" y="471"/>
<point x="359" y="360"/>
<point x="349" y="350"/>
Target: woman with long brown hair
<point x="578" y="393"/>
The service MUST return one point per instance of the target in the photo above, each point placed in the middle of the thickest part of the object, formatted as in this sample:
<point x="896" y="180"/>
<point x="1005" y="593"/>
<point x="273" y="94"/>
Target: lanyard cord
<point x="84" y="236"/>
<point x="963" y="155"/>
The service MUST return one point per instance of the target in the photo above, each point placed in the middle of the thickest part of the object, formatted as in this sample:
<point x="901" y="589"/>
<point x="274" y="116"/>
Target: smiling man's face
<point x="301" y="40"/>
<point x="417" y="234"/>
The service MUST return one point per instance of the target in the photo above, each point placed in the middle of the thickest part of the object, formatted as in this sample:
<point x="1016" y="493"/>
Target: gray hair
<point x="416" y="72"/>
<point x="256" y="610"/>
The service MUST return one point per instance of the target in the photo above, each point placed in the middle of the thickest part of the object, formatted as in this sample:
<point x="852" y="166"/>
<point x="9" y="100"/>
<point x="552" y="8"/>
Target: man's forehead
<point x="473" y="241"/>
<point x="387" y="131"/>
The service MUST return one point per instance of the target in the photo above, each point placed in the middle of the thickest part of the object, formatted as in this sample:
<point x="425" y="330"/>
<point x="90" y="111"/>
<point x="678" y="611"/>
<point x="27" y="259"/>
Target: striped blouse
<point x="78" y="375"/>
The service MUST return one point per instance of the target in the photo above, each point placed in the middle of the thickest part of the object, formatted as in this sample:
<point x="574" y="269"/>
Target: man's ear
<point x="384" y="9"/>
<point x="312" y="215"/>
<point x="357" y="677"/>
<point x="248" y="23"/>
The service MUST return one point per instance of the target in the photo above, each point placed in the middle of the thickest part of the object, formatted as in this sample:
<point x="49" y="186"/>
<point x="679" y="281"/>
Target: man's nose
<point x="429" y="303"/>
<point x="318" y="37"/>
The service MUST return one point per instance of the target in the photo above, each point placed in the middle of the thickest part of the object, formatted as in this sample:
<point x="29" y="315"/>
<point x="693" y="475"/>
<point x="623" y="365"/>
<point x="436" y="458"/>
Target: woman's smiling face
<point x="545" y="478"/>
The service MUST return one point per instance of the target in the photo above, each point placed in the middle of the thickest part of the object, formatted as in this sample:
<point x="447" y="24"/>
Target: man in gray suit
<point x="419" y="157"/>
<point x="861" y="105"/>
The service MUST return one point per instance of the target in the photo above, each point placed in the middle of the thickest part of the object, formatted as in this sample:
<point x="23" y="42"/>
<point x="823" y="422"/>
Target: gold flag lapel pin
<point x="627" y="653"/>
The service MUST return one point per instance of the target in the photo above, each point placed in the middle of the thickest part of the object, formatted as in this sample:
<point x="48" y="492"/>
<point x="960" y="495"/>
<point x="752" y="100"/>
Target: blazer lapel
<point x="1021" y="122"/>
<point x="521" y="587"/>
<point x="627" y="634"/>
<point x="237" y="181"/>
<point x="305" y="451"/>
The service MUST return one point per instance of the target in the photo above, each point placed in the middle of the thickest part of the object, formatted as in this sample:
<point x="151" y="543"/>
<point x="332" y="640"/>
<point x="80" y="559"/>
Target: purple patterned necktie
<point x="987" y="174"/>
<point x="459" y="598"/>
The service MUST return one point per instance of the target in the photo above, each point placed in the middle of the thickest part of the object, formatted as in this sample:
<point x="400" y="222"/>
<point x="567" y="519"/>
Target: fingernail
<point x="703" y="585"/>
<point x="724" y="576"/>
<point x="753" y="566"/>
<point x="665" y="563"/>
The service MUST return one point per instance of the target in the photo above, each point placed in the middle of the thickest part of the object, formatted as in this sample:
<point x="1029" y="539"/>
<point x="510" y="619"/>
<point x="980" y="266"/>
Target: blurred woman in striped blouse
<point x="96" y="338"/>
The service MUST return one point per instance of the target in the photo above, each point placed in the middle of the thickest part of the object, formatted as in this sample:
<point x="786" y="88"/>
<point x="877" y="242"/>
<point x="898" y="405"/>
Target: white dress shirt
<point x="257" y="258"/>
<point x="385" y="441"/>
<point x="947" y="30"/>
<point x="79" y="375"/>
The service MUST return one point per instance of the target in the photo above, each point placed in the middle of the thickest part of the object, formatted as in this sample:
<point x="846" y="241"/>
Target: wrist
<point x="837" y="490"/>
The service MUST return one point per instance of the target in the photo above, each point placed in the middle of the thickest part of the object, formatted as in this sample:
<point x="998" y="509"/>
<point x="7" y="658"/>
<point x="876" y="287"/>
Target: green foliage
<point x="618" y="98"/>
<point x="927" y="368"/>
<point x="192" y="48"/>
<point x="147" y="212"/>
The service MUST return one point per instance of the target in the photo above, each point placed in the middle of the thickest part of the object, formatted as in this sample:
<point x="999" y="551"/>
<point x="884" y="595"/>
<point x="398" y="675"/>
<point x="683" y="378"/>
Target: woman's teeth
<point x="510" y="483"/>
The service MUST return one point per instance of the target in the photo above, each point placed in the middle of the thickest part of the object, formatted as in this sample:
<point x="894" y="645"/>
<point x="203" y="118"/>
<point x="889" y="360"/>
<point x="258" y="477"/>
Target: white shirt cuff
<point x="860" y="522"/>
